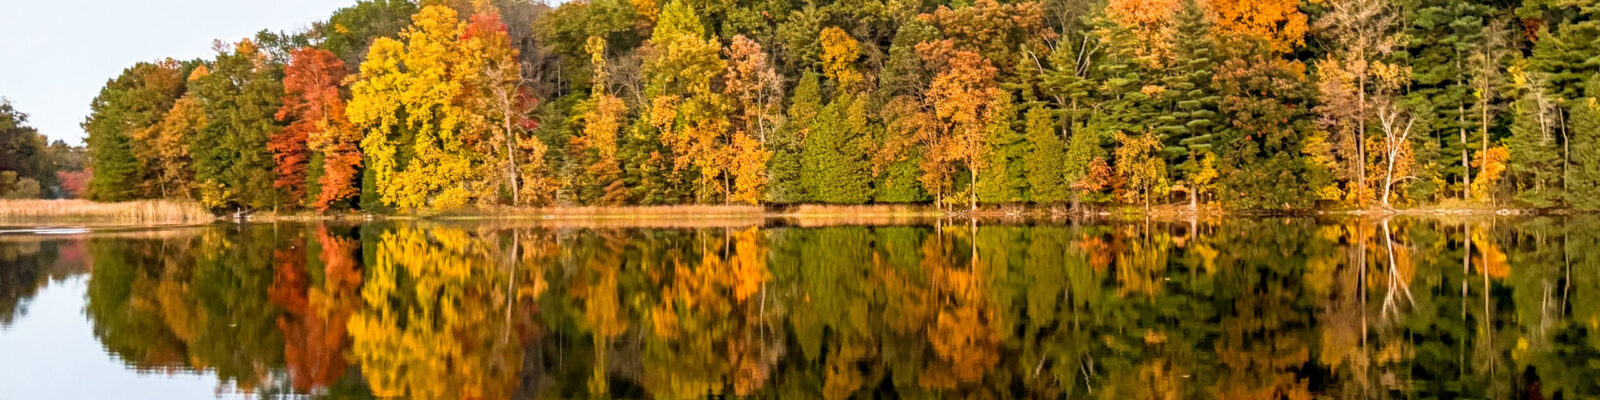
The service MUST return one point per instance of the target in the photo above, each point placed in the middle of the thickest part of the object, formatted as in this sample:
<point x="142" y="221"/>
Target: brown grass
<point x="142" y="212"/>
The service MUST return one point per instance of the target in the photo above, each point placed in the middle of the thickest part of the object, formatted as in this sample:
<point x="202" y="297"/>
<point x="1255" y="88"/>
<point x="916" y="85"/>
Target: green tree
<point x="1046" y="160"/>
<point x="1005" y="180"/>
<point x="1535" y="162"/>
<point x="1583" y="186"/>
<point x="1263" y="151"/>
<point x="23" y="154"/>
<point x="834" y="158"/>
<point x="136" y="100"/>
<point x="785" y="169"/>
<point x="350" y="30"/>
<point x="240" y="95"/>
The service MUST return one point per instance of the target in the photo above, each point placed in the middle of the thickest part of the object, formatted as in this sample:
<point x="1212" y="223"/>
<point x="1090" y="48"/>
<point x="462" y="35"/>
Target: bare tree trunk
<point x="511" y="157"/>
<point x="972" y="190"/>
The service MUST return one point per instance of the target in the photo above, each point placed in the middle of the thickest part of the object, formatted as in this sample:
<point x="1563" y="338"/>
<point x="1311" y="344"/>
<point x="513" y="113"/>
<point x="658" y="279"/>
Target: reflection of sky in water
<point x="50" y="353"/>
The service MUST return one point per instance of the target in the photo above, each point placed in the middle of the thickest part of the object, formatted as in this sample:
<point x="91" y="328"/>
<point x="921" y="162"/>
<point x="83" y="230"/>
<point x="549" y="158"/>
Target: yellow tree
<point x="963" y="97"/>
<point x="1278" y="24"/>
<point x="755" y="92"/>
<point x="839" y="54"/>
<point x="168" y="142"/>
<point x="601" y="117"/>
<point x="679" y="64"/>
<point x="162" y="146"/>
<point x="407" y="104"/>
<point x="513" y="158"/>
<point x="1353" y="84"/>
<point x="1153" y="22"/>
<point x="1139" y="162"/>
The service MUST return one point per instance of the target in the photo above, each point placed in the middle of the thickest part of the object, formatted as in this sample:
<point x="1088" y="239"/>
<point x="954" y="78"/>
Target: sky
<point x="56" y="54"/>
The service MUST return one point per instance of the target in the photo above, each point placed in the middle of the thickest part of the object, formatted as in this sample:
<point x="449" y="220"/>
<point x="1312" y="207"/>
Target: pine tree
<point x="785" y="167"/>
<point x="1185" y="117"/>
<point x="1442" y="35"/>
<point x="1535" y="162"/>
<point x="1583" y="177"/>
<point x="1082" y="151"/>
<point x="834" y="158"/>
<point x="233" y="164"/>
<point x="1004" y="180"/>
<point x="1046" y="161"/>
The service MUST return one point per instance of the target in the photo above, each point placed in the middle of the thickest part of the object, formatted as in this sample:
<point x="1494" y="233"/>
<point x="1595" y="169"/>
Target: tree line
<point x="31" y="166"/>
<point x="391" y="105"/>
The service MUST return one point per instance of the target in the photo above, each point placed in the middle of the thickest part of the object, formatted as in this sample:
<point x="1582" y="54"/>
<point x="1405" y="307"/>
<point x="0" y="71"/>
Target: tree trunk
<point x="511" y="157"/>
<point x="1466" y="167"/>
<point x="1194" y="200"/>
<point x="972" y="190"/>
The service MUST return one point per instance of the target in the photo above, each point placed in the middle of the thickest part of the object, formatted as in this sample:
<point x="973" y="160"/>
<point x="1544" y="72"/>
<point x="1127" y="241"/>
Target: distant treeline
<point x="391" y="105"/>
<point x="33" y="167"/>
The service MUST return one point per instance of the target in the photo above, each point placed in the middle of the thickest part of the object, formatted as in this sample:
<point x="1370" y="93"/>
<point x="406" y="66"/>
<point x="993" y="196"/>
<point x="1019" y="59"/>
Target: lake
<point x="1226" y="308"/>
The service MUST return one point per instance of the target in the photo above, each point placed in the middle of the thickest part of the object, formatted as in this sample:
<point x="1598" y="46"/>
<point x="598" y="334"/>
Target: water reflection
<point x="1234" y="308"/>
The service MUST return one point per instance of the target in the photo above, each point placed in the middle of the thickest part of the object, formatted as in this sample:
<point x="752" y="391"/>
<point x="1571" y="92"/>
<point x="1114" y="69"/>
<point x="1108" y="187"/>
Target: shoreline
<point x="179" y="213"/>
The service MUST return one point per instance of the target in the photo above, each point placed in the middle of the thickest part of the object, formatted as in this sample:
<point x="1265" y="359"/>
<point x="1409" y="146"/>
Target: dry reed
<point x="88" y="212"/>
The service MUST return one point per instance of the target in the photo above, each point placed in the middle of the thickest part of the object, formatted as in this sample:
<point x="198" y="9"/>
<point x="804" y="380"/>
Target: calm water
<point x="1231" y="309"/>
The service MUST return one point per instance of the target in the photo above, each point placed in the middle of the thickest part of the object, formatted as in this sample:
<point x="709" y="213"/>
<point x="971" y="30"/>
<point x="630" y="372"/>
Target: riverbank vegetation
<point x="391" y="106"/>
<point x="129" y="212"/>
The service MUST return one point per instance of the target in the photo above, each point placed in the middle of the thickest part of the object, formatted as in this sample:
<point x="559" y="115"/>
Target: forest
<point x="396" y="106"/>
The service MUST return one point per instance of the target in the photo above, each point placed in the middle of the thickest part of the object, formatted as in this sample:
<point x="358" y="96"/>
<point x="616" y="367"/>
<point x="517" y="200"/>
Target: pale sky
<point x="56" y="54"/>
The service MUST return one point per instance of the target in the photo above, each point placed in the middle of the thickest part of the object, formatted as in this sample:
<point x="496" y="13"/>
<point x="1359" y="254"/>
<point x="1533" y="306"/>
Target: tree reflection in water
<point x="1230" y="308"/>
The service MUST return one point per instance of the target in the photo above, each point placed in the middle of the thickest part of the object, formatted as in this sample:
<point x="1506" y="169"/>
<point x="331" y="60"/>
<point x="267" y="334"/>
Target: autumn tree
<point x="963" y="98"/>
<point x="602" y="116"/>
<point x="1277" y="24"/>
<point x="686" y="111"/>
<point x="313" y="106"/>
<point x="136" y="100"/>
<point x="412" y="103"/>
<point x="1352" y="79"/>
<point x="1139" y="161"/>
<point x="755" y="95"/>
<point x="174" y="174"/>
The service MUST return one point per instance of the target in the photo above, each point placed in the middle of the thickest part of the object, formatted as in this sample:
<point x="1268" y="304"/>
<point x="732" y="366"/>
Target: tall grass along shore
<point x="142" y="212"/>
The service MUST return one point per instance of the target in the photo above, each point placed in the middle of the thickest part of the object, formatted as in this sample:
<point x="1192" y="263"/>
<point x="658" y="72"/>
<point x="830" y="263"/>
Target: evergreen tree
<point x="1583" y="177"/>
<point x="1004" y="180"/>
<point x="1082" y="151"/>
<point x="240" y="95"/>
<point x="1535" y="162"/>
<point x="834" y="158"/>
<point x="1442" y="36"/>
<point x="785" y="167"/>
<point x="898" y="182"/>
<point x="1186" y="114"/>
<point x="1046" y="161"/>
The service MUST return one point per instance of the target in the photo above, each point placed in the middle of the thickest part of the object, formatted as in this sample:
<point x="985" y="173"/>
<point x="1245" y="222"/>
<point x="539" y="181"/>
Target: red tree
<point x="312" y="104"/>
